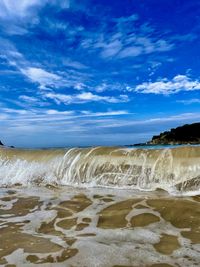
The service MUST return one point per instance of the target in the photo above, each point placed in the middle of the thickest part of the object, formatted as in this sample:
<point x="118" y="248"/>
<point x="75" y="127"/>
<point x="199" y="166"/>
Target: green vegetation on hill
<point x="189" y="133"/>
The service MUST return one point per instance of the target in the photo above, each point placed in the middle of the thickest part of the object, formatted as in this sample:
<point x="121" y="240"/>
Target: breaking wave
<point x="176" y="170"/>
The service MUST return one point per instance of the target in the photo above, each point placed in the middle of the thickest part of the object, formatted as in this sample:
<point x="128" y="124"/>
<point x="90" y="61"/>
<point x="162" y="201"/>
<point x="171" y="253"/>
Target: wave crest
<point x="176" y="170"/>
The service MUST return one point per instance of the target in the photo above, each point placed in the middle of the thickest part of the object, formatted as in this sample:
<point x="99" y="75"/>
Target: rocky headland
<point x="186" y="134"/>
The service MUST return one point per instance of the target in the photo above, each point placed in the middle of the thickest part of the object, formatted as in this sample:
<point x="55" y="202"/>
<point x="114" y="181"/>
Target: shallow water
<point x="97" y="227"/>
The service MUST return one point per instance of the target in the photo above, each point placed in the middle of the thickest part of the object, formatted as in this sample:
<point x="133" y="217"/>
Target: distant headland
<point x="186" y="134"/>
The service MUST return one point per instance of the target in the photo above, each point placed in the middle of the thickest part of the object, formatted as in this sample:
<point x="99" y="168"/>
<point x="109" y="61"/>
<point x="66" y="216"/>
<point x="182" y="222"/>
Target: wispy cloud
<point x="24" y="8"/>
<point x="10" y="8"/>
<point x="166" y="86"/>
<point x="29" y="99"/>
<point x="43" y="77"/>
<point x="16" y="15"/>
<point x="189" y="101"/>
<point x="178" y="118"/>
<point x="126" y="40"/>
<point x="52" y="117"/>
<point x="102" y="114"/>
<point x="17" y="111"/>
<point x="74" y="64"/>
<point x="84" y="98"/>
<point x="28" y="102"/>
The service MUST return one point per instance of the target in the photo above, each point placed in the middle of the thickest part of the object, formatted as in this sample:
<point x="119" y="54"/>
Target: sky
<point x="97" y="72"/>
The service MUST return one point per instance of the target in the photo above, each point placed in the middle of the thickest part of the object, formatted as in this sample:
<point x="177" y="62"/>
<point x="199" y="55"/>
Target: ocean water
<point x="100" y="206"/>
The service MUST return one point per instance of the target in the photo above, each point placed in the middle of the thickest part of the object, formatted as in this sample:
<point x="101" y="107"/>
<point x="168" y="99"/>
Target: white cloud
<point x="166" y="87"/>
<point x="24" y="8"/>
<point x="15" y="15"/>
<point x="85" y="97"/>
<point x="86" y="113"/>
<point x="56" y="112"/>
<point x="79" y="86"/>
<point x="43" y="77"/>
<point x="108" y="113"/>
<point x="59" y="98"/>
<point x="110" y="99"/>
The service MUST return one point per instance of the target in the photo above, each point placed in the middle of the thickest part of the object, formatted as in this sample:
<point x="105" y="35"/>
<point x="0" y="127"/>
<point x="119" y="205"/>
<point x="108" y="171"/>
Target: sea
<point x="100" y="207"/>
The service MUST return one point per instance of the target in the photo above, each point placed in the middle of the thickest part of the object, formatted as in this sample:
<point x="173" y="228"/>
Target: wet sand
<point x="98" y="228"/>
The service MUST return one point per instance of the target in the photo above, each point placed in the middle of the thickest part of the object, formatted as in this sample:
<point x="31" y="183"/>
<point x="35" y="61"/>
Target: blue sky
<point x="97" y="72"/>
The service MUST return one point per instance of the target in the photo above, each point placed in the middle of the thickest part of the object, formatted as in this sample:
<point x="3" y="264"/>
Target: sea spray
<point x="176" y="170"/>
